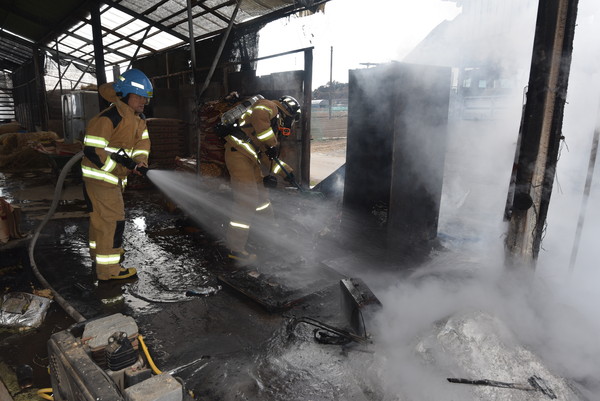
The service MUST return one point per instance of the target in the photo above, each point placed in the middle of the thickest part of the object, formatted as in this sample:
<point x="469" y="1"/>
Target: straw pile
<point x="17" y="149"/>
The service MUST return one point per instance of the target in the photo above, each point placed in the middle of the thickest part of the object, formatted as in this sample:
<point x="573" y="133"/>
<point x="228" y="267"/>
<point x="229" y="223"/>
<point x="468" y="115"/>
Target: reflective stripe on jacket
<point x="256" y="124"/>
<point x="117" y="127"/>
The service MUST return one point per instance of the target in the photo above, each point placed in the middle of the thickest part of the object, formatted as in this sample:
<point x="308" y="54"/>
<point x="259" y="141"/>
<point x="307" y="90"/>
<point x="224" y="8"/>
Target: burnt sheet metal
<point x="279" y="289"/>
<point x="358" y="304"/>
<point x="397" y="122"/>
<point x="332" y="187"/>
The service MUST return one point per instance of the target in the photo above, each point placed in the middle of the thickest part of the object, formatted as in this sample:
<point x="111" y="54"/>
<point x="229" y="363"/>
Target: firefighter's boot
<point x="243" y="257"/>
<point x="124" y="273"/>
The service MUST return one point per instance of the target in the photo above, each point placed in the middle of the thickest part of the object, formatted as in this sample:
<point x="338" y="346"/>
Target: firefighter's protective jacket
<point x="117" y="127"/>
<point x="255" y="134"/>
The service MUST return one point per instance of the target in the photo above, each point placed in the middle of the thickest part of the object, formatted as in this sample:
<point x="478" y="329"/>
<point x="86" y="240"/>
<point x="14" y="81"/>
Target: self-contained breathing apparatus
<point x="229" y="120"/>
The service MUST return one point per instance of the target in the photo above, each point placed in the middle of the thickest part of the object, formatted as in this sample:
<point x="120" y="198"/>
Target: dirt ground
<point x="327" y="155"/>
<point x="335" y="146"/>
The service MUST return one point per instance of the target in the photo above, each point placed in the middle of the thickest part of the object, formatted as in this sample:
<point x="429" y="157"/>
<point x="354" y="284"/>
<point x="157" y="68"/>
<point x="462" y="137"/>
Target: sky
<point x="358" y="34"/>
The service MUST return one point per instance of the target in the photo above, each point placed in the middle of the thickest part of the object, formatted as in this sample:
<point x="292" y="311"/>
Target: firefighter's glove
<point x="222" y="130"/>
<point x="270" y="181"/>
<point x="124" y="160"/>
<point x="271" y="153"/>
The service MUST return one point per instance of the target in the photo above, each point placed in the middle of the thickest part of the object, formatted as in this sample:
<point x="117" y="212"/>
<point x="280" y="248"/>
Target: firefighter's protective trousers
<point x="250" y="197"/>
<point x="117" y="127"/>
<point x="244" y="155"/>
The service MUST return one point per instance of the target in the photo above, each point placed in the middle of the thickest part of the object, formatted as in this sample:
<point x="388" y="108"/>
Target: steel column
<point x="306" y="115"/>
<point x="98" y="50"/>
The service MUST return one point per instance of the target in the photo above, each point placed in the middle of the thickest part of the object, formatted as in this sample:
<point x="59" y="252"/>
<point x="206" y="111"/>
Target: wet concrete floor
<point x="223" y="346"/>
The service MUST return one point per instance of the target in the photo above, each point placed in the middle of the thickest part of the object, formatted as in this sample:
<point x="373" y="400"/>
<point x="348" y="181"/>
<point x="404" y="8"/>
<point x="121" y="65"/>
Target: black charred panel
<point x="397" y="124"/>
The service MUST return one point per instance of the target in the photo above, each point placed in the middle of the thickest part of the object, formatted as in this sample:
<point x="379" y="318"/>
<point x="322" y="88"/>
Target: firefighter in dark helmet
<point x="120" y="126"/>
<point x="252" y="143"/>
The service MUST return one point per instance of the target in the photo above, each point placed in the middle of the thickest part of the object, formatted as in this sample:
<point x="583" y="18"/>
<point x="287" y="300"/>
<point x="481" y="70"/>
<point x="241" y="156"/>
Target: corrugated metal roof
<point x="130" y="28"/>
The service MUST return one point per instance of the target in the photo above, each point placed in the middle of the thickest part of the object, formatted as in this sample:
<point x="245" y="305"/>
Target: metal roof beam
<point x="183" y="10"/>
<point x="147" y="20"/>
<point x="89" y="42"/>
<point x="283" y="12"/>
<point x="207" y="11"/>
<point x="66" y="23"/>
<point x="139" y="43"/>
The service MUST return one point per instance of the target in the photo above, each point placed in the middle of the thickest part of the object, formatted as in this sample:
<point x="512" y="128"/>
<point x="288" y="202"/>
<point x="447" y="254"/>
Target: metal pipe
<point x="192" y="41"/>
<point x="58" y="66"/>
<point x="220" y="50"/>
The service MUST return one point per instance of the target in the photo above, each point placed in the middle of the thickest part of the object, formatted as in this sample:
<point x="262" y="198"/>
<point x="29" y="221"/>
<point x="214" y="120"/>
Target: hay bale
<point x="12" y="126"/>
<point x="17" y="149"/>
<point x="26" y="158"/>
<point x="16" y="141"/>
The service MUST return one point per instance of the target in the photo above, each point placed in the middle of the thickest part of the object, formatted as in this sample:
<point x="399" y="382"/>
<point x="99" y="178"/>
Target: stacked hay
<point x="17" y="149"/>
<point x="12" y="126"/>
<point x="212" y="146"/>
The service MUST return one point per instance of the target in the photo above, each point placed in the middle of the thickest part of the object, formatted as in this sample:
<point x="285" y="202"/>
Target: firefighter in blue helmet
<point x="121" y="126"/>
<point x="252" y="142"/>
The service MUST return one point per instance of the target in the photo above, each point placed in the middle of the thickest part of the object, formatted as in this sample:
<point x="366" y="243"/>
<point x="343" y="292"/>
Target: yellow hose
<point x="150" y="361"/>
<point x="43" y="393"/>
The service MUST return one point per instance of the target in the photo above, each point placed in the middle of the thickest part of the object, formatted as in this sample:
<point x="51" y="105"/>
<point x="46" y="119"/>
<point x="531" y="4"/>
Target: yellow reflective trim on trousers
<point x="266" y="134"/>
<point x="245" y="145"/>
<point x="108" y="259"/>
<point x="92" y="244"/>
<point x="239" y="225"/>
<point x="263" y="207"/>
<point x="145" y="134"/>
<point x="277" y="168"/>
<point x="140" y="152"/>
<point x="95" y="141"/>
<point x="96" y="174"/>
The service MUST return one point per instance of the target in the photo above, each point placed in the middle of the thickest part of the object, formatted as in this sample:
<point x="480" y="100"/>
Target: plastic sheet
<point x="23" y="310"/>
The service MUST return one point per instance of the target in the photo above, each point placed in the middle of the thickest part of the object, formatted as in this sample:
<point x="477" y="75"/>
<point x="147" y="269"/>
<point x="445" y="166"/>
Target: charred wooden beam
<point x="541" y="129"/>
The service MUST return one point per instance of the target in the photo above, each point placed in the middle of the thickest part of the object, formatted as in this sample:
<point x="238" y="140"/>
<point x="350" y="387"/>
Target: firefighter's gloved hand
<point x="271" y="152"/>
<point x="221" y="130"/>
<point x="270" y="181"/>
<point x="140" y="169"/>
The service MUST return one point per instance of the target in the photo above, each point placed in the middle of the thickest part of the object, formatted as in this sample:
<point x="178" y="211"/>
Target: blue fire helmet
<point x="133" y="81"/>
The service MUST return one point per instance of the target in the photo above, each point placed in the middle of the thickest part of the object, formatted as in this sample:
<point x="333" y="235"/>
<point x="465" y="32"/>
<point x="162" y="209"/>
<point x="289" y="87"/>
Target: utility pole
<point x="330" y="80"/>
<point x="541" y="129"/>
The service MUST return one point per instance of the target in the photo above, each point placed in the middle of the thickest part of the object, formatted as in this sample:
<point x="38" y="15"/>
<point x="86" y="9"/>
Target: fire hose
<point x="292" y="180"/>
<point x="120" y="157"/>
<point x="57" y="192"/>
<point x="340" y="336"/>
